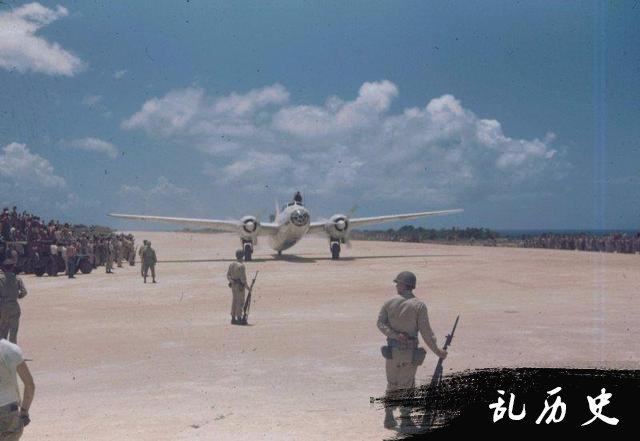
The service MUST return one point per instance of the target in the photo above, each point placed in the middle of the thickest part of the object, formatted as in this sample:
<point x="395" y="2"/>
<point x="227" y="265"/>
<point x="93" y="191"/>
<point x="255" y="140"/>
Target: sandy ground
<point x="115" y="359"/>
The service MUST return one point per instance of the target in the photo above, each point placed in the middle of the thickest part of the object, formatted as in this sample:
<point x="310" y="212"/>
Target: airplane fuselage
<point x="293" y="223"/>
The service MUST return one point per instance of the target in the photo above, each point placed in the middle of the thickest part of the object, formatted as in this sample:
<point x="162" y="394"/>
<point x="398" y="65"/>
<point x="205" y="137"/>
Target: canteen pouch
<point x="386" y="352"/>
<point x="419" y="355"/>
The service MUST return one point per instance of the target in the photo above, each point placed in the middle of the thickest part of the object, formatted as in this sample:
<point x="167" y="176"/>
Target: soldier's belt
<point x="11" y="407"/>
<point x="411" y="343"/>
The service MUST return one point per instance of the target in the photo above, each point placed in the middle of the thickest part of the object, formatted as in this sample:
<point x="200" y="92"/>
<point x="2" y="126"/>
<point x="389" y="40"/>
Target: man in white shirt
<point x="14" y="412"/>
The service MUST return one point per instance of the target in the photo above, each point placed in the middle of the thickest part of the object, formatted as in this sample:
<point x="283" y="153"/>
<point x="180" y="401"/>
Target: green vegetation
<point x="409" y="233"/>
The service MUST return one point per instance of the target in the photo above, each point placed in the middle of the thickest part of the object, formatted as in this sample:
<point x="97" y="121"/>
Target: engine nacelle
<point x="337" y="227"/>
<point x="249" y="228"/>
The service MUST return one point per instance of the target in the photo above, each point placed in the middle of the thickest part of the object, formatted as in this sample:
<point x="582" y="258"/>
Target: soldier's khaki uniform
<point x="149" y="262"/>
<point x="140" y="251"/>
<point x="118" y="250"/>
<point x="237" y="277"/>
<point x="407" y="315"/>
<point x="11" y="289"/>
<point x="132" y="252"/>
<point x="109" y="256"/>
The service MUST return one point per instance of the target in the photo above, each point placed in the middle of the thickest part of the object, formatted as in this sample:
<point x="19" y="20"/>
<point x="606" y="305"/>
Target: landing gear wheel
<point x="335" y="250"/>
<point x="248" y="250"/>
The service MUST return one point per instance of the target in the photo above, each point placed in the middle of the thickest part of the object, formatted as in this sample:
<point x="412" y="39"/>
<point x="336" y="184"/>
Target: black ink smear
<point x="459" y="405"/>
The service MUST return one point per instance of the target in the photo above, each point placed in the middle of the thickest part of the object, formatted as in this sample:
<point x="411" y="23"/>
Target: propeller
<point x="277" y="212"/>
<point x="250" y="224"/>
<point x="255" y="240"/>
<point x="352" y="212"/>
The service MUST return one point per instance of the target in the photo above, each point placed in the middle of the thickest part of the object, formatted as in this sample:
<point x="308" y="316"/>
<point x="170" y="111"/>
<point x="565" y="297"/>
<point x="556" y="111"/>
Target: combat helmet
<point x="406" y="278"/>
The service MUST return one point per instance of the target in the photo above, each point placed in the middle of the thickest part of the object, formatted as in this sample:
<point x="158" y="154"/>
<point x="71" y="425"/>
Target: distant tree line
<point x="409" y="233"/>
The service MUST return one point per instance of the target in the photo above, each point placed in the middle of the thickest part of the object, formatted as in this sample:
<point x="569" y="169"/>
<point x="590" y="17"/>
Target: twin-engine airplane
<point x="288" y="227"/>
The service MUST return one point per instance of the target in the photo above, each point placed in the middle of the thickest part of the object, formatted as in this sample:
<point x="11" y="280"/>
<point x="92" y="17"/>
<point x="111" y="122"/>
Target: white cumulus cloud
<point x="238" y="104"/>
<point x="439" y="153"/>
<point x="163" y="197"/>
<point x="167" y="115"/>
<point x="21" y="49"/>
<point x="338" y="116"/>
<point x="93" y="145"/>
<point x="30" y="182"/>
<point x="21" y="168"/>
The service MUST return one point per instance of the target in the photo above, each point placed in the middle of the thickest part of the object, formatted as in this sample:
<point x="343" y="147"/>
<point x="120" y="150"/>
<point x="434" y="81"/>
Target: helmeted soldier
<point x="149" y="262"/>
<point x="144" y="244"/>
<point x="237" y="277"/>
<point x="11" y="289"/>
<point x="400" y="320"/>
<point x="132" y="250"/>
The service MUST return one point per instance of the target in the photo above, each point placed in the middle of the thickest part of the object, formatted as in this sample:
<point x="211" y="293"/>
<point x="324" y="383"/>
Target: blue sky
<point x="526" y="114"/>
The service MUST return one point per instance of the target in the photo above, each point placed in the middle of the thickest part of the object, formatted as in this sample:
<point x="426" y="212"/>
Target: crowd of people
<point x="610" y="243"/>
<point x="29" y="244"/>
<point x="54" y="247"/>
<point x="628" y="243"/>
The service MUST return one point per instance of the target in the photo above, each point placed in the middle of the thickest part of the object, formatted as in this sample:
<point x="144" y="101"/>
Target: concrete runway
<point x="115" y="359"/>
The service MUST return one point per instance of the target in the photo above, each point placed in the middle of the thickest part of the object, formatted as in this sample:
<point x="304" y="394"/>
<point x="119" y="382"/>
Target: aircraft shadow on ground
<point x="293" y="258"/>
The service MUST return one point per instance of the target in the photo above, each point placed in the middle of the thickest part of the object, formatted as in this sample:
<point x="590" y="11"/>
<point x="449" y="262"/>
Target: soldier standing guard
<point x="149" y="262"/>
<point x="237" y="277"/>
<point x="11" y="289"/>
<point x="400" y="320"/>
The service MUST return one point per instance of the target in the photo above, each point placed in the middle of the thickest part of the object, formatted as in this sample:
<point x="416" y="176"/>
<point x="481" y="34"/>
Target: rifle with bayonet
<point x="431" y="416"/>
<point x="247" y="302"/>
<point x="437" y="374"/>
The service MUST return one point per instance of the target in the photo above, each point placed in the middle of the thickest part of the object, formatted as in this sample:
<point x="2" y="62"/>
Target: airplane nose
<point x="340" y="225"/>
<point x="300" y="218"/>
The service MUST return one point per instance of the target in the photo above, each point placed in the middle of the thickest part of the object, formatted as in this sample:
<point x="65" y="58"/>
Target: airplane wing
<point x="224" y="225"/>
<point x="362" y="221"/>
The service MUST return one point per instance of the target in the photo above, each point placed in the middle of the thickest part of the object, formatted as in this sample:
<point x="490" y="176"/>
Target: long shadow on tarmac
<point x="301" y="259"/>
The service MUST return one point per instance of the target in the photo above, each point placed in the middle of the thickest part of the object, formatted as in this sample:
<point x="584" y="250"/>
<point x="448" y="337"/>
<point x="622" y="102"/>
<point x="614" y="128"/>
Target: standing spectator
<point x="11" y="289"/>
<point x="72" y="253"/>
<point x="14" y="412"/>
